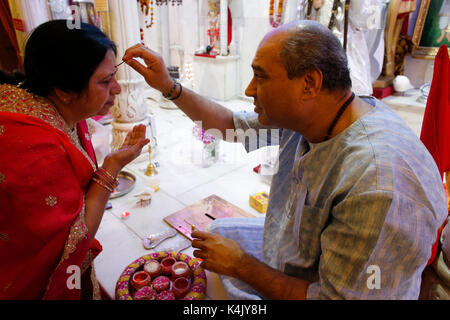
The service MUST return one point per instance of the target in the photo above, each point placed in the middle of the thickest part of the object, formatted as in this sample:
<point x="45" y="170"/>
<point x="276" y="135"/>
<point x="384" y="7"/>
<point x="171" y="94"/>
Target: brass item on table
<point x="151" y="169"/>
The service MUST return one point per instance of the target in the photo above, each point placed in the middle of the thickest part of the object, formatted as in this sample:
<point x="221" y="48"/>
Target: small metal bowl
<point x="127" y="181"/>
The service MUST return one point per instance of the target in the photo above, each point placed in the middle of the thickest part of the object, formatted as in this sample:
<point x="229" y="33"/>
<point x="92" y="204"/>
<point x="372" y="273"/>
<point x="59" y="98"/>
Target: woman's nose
<point x="116" y="88"/>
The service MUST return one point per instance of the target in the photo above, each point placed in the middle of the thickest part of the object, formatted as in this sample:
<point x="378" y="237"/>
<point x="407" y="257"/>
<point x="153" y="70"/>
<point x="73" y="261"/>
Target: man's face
<point x="276" y="97"/>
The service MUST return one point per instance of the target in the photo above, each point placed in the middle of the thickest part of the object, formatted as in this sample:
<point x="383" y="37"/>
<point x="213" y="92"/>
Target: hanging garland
<point x="165" y="2"/>
<point x="146" y="7"/>
<point x="276" y="21"/>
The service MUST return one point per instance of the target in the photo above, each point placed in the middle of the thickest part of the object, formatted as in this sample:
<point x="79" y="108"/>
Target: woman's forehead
<point x="107" y="66"/>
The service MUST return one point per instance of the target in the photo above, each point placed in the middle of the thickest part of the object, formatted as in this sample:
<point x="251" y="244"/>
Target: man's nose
<point x="251" y="89"/>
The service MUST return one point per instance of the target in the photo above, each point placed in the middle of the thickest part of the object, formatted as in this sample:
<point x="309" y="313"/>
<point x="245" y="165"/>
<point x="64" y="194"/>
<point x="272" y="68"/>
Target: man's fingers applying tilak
<point x="140" y="51"/>
<point x="136" y="65"/>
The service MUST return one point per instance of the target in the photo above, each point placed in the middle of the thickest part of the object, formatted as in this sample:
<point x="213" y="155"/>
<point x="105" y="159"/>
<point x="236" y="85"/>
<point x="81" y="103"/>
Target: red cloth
<point x="7" y="21"/>
<point x="435" y="133"/>
<point x="42" y="183"/>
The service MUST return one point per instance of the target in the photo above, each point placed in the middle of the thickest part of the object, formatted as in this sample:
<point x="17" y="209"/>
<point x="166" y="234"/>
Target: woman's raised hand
<point x="130" y="150"/>
<point x="154" y="72"/>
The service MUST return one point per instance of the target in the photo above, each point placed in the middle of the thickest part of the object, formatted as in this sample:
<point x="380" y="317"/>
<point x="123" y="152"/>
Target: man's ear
<point x="313" y="83"/>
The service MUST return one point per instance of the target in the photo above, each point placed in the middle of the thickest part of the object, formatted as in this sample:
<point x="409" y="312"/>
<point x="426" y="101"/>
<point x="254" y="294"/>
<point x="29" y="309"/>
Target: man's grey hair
<point x="309" y="46"/>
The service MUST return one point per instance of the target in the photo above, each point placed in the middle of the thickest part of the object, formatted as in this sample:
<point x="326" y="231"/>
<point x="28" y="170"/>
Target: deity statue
<point x="214" y="24"/>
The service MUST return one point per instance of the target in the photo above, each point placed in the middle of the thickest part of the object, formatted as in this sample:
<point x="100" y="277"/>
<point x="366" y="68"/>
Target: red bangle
<point x="106" y="177"/>
<point x="102" y="184"/>
<point x="103" y="170"/>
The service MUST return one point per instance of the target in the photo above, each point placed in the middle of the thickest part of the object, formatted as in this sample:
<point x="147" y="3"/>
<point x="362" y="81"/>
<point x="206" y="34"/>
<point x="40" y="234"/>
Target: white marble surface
<point x="183" y="180"/>
<point x="409" y="107"/>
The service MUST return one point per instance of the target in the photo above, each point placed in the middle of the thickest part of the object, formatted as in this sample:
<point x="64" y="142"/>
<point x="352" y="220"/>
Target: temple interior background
<point x="182" y="30"/>
<point x="208" y="46"/>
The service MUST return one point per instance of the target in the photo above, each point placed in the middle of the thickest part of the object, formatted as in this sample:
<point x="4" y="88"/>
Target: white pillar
<point x="28" y="15"/>
<point x="223" y="27"/>
<point x="165" y="33"/>
<point x="131" y="107"/>
<point x="60" y="9"/>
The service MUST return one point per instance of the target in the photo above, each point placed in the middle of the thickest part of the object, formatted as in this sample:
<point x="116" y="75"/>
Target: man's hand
<point x="225" y="256"/>
<point x="219" y="254"/>
<point x="155" y="71"/>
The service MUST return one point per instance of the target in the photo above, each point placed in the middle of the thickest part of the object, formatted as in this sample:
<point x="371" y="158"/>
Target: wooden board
<point x="202" y="213"/>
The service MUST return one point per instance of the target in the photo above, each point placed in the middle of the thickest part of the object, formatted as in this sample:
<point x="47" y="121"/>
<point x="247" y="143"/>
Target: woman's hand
<point x="130" y="150"/>
<point x="155" y="71"/>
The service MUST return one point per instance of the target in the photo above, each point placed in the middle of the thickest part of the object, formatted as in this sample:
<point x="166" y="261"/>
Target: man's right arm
<point x="196" y="107"/>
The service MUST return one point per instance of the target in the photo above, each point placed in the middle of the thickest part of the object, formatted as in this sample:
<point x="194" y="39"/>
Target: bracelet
<point x="105" y="179"/>
<point x="102" y="184"/>
<point x="179" y="93"/>
<point x="108" y="176"/>
<point x="109" y="184"/>
<point x="167" y="96"/>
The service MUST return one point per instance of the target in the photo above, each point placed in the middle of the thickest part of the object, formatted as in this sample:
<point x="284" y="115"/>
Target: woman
<point x="52" y="193"/>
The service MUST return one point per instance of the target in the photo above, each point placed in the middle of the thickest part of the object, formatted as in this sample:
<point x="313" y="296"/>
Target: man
<point x="356" y="203"/>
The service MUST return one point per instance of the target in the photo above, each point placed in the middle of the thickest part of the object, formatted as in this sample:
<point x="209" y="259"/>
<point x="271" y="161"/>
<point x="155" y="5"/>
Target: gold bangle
<point x="108" y="174"/>
<point x="107" y="178"/>
<point x="109" y="183"/>
<point x="102" y="184"/>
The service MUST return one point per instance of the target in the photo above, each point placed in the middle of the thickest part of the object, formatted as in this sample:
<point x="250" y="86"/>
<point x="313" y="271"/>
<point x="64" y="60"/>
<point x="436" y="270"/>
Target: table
<point x="183" y="181"/>
<point x="409" y="106"/>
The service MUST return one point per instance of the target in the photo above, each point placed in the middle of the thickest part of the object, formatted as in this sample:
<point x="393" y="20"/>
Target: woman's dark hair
<point x="59" y="57"/>
<point x="312" y="46"/>
<point x="11" y="78"/>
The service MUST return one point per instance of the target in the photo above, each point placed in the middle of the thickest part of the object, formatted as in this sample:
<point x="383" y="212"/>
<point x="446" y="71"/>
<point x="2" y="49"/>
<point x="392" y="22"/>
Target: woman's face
<point x="99" y="96"/>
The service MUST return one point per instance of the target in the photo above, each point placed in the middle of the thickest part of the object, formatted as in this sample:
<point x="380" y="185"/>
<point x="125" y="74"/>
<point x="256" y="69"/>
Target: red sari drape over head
<point x="45" y="168"/>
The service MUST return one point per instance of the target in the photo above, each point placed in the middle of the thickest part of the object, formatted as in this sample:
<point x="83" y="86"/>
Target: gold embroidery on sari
<point x="51" y="201"/>
<point x="8" y="285"/>
<point x="78" y="232"/>
<point x="87" y="262"/>
<point x="2" y="129"/>
<point x="4" y="236"/>
<point x="95" y="287"/>
<point x="18" y="100"/>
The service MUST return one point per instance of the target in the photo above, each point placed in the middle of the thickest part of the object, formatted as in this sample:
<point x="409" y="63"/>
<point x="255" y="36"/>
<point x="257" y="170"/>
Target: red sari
<point x="45" y="169"/>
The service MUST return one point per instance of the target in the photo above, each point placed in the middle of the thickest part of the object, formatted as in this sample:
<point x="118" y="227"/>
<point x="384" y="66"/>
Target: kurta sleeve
<point x="252" y="134"/>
